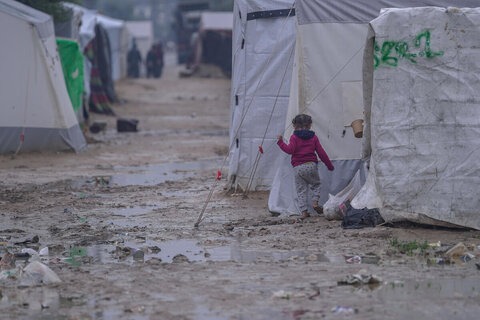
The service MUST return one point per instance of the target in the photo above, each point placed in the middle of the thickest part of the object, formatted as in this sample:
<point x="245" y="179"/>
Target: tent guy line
<point x="260" y="148"/>
<point x="200" y="217"/>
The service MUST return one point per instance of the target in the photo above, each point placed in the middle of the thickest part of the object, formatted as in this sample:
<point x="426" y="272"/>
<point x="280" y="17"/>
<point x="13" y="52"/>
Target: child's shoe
<point x="318" y="209"/>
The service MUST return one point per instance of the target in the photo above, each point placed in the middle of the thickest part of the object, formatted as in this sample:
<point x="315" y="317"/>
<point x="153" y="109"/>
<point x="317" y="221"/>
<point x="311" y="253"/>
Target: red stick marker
<point x="261" y="149"/>
<point x="22" y="137"/>
<point x="219" y="175"/>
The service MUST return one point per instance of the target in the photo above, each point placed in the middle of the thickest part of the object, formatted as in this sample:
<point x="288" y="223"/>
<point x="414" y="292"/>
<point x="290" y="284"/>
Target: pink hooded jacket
<point x="302" y="147"/>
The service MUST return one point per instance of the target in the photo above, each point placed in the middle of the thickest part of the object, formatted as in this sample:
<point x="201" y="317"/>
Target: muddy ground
<point x="145" y="190"/>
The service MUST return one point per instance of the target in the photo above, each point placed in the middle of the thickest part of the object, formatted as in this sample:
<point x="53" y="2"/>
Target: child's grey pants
<point x="307" y="174"/>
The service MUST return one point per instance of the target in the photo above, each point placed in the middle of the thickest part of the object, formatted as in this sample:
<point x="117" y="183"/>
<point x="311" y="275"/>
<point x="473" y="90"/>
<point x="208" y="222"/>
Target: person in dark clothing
<point x="155" y="61"/>
<point x="159" y="53"/>
<point x="151" y="62"/>
<point x="134" y="58"/>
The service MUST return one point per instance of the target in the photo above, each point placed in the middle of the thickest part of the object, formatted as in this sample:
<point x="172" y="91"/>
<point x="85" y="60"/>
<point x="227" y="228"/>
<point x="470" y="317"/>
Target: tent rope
<point x="260" y="148"/>
<point x="200" y="217"/>
<point x="22" y="135"/>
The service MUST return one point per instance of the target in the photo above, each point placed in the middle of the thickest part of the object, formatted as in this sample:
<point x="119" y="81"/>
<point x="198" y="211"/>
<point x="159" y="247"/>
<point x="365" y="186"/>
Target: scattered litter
<point x="435" y="244"/>
<point x="35" y="239"/>
<point x="138" y="254"/>
<point x="312" y="257"/>
<point x="281" y="294"/>
<point x="6" y="274"/>
<point x="343" y="310"/>
<point x="354" y="259"/>
<point x="30" y="252"/>
<point x="439" y="261"/>
<point x="66" y="210"/>
<point x="22" y="255"/>
<point x="8" y="261"/>
<point x="336" y="206"/>
<point x="38" y="273"/>
<point x="44" y="251"/>
<point x="359" y="280"/>
<point x="456" y="251"/>
<point x="361" y="218"/>
<point x="467" y="257"/>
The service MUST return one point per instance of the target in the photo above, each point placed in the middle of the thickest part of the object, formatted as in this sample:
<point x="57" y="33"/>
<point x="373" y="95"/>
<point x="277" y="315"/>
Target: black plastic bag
<point x="361" y="218"/>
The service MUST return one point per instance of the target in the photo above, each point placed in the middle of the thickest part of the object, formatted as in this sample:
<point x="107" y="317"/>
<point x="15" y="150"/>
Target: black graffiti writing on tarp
<point x="389" y="53"/>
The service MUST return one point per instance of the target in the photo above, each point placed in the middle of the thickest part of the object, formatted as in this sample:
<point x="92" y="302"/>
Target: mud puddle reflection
<point x="433" y="289"/>
<point x="184" y="251"/>
<point x="156" y="174"/>
<point x="149" y="175"/>
<point x="47" y="303"/>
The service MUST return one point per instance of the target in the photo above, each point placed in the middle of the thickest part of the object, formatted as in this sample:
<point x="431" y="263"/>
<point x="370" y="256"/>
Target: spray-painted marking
<point x="389" y="53"/>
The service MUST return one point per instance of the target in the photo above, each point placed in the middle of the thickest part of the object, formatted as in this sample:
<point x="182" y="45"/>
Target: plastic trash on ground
<point x="44" y="251"/>
<point x="343" y="310"/>
<point x="335" y="208"/>
<point x="38" y="273"/>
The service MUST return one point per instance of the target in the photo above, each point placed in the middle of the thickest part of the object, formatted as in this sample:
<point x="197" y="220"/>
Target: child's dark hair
<point x="302" y="121"/>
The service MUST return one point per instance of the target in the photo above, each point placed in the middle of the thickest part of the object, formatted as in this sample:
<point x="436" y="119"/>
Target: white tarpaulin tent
<point x="255" y="33"/>
<point x="118" y="37"/>
<point x="34" y="103"/>
<point x="327" y="84"/>
<point x="422" y="106"/>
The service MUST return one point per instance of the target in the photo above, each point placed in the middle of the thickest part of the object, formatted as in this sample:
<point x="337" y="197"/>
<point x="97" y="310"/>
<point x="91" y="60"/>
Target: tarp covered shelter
<point x="214" y="42"/>
<point x="116" y="43"/>
<point x="262" y="56"/>
<point x="327" y="84"/>
<point x="118" y="36"/>
<point x="421" y="91"/>
<point x="36" y="112"/>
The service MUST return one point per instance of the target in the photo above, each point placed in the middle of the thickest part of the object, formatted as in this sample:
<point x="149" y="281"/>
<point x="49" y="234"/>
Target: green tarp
<point x="72" y="65"/>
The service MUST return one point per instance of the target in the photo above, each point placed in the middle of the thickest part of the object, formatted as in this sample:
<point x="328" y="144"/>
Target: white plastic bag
<point x="38" y="273"/>
<point x="334" y="208"/>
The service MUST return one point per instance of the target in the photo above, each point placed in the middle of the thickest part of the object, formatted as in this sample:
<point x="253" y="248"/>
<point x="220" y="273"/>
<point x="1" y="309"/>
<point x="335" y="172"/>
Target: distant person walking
<point x="159" y="52"/>
<point x="303" y="145"/>
<point x="134" y="58"/>
<point x="155" y="61"/>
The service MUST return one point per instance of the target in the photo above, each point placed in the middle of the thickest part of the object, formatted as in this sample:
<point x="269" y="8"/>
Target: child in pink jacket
<point x="303" y="145"/>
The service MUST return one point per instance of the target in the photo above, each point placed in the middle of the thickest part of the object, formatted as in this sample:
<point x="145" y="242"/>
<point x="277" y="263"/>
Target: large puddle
<point x="150" y="175"/>
<point x="183" y="251"/>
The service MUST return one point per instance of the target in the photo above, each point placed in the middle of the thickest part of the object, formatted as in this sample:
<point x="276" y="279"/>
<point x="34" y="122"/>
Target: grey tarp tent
<point x="422" y="107"/>
<point x="36" y="112"/>
<point x="327" y="83"/>
<point x="255" y="33"/>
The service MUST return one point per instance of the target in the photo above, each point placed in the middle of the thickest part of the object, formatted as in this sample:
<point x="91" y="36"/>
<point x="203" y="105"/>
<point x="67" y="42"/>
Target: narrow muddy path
<point x="118" y="221"/>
